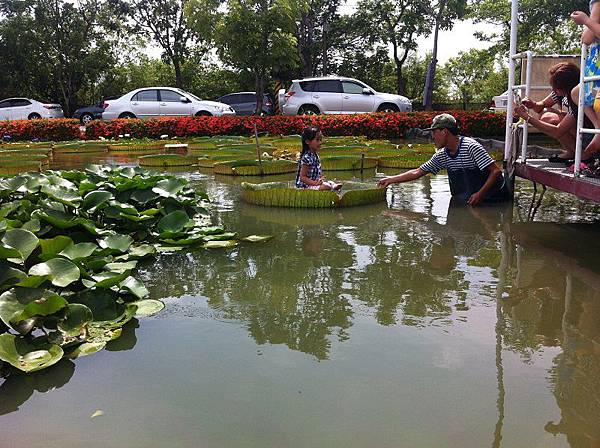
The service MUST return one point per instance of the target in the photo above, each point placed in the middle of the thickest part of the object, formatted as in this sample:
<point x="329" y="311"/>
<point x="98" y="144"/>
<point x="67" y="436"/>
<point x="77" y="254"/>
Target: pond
<point x="416" y="323"/>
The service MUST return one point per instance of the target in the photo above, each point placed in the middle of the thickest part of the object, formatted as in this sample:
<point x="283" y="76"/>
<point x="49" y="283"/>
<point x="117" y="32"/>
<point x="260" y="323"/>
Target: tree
<point x="166" y="23"/>
<point x="257" y="36"/>
<point x="397" y="23"/>
<point x="542" y="24"/>
<point x="447" y="12"/>
<point x="473" y="76"/>
<point x="57" y="47"/>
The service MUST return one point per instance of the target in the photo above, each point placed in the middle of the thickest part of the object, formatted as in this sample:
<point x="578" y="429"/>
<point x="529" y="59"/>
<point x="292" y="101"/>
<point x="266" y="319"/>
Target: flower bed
<point x="480" y="124"/>
<point x="53" y="130"/>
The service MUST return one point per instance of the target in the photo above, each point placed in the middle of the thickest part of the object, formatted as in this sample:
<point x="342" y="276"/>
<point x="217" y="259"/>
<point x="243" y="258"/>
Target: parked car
<point x="499" y="102"/>
<point x="339" y="95"/>
<point x="153" y="102"/>
<point x="88" y="113"/>
<point x="28" y="109"/>
<point x="244" y="103"/>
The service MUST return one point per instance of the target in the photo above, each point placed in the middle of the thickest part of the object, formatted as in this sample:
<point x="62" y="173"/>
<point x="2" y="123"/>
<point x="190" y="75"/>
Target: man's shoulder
<point x="471" y="143"/>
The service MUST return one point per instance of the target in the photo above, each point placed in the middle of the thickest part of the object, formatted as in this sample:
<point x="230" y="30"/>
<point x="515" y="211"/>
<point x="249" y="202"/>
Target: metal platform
<point x="555" y="175"/>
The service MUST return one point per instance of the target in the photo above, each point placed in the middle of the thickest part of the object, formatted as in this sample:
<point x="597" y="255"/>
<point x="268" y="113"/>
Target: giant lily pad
<point x="27" y="357"/>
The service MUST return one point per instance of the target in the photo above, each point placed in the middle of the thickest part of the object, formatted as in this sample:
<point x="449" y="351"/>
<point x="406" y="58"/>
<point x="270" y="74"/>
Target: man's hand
<point x="384" y="182"/>
<point x="580" y="17"/>
<point x="475" y="199"/>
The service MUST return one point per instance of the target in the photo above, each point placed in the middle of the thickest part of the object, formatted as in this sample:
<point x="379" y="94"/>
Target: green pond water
<point x="412" y="323"/>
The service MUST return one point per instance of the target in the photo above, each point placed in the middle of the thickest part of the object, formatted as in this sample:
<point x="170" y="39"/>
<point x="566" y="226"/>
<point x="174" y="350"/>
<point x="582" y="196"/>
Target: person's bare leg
<point x="594" y="145"/>
<point x="567" y="141"/>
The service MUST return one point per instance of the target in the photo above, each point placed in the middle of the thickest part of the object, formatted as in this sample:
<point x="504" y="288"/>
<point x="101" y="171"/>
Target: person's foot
<point x="558" y="159"/>
<point x="337" y="187"/>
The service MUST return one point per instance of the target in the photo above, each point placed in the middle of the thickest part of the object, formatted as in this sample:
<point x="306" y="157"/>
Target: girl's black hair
<point x="309" y="133"/>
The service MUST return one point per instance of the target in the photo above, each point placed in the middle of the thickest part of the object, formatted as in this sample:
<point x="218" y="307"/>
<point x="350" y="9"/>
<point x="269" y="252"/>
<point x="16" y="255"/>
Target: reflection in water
<point x="418" y="264"/>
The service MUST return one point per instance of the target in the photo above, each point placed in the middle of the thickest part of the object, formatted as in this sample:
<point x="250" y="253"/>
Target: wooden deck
<point x="555" y="175"/>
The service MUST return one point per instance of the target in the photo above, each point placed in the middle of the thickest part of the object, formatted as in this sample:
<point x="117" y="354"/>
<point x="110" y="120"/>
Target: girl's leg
<point x="594" y="145"/>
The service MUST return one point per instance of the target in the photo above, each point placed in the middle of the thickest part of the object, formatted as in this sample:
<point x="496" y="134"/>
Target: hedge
<point x="379" y="125"/>
<point x="45" y="130"/>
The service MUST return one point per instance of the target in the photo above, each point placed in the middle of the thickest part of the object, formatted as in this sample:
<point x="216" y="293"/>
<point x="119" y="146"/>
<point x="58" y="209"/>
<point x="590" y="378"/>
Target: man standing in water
<point x="472" y="173"/>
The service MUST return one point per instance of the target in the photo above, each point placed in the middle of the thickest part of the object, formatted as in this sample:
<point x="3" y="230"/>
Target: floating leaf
<point x="257" y="238"/>
<point x="22" y="241"/>
<point x="148" y="307"/>
<point x="60" y="272"/>
<point x="77" y="316"/>
<point x="220" y="244"/>
<point x="169" y="187"/>
<point x="116" y="242"/>
<point x="62" y="194"/>
<point x="134" y="286"/>
<point x="174" y="222"/>
<point x="85" y="349"/>
<point x="15" y="302"/>
<point x="27" y="357"/>
<point x="121" y="267"/>
<point x="93" y="200"/>
<point x="51" y="247"/>
<point x="78" y="251"/>
<point x="109" y="279"/>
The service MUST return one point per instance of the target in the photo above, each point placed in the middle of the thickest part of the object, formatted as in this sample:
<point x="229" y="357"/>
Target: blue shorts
<point x="592" y="68"/>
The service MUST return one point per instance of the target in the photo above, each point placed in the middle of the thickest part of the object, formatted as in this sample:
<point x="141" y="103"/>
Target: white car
<point x="339" y="95"/>
<point x="27" y="109"/>
<point x="154" y="102"/>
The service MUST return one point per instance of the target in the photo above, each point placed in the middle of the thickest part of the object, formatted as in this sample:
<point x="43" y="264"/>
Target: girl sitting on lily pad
<point x="310" y="174"/>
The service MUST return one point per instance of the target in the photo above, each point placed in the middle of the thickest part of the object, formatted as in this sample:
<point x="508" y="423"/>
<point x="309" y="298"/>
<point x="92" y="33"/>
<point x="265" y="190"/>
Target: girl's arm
<point x="307" y="180"/>
<point x="591" y="23"/>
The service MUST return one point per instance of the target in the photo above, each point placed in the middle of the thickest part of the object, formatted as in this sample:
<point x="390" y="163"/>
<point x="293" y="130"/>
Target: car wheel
<point x="388" y="108"/>
<point x="308" y="110"/>
<point x="86" y="118"/>
<point x="34" y="116"/>
<point x="127" y="115"/>
<point x="203" y="113"/>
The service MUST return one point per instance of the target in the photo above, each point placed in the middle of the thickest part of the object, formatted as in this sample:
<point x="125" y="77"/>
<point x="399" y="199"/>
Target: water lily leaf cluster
<point x="69" y="244"/>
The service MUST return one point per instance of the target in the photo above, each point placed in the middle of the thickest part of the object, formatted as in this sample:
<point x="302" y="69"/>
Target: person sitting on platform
<point x="559" y="124"/>
<point x="472" y="173"/>
<point x="591" y="90"/>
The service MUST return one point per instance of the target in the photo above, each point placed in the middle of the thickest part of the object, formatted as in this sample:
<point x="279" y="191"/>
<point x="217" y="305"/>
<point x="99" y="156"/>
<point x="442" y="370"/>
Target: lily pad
<point x="93" y="200"/>
<point x="77" y="316"/>
<point x="60" y="272"/>
<point x="257" y="238"/>
<point x="220" y="244"/>
<point x="85" y="349"/>
<point x="15" y="302"/>
<point x="135" y="287"/>
<point x="174" y="222"/>
<point x="27" y="357"/>
<point x="78" y="251"/>
<point x="22" y="241"/>
<point x="148" y="307"/>
<point x="116" y="242"/>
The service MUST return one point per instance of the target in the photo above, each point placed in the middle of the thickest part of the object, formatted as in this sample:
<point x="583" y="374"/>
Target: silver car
<point x="28" y="109"/>
<point x="339" y="95"/>
<point x="154" y="102"/>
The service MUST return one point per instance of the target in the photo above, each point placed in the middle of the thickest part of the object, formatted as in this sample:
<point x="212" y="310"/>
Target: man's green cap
<point x="443" y="121"/>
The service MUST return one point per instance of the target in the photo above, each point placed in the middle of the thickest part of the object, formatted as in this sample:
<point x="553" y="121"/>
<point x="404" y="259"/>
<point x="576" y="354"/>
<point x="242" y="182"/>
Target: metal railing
<point x="580" y="111"/>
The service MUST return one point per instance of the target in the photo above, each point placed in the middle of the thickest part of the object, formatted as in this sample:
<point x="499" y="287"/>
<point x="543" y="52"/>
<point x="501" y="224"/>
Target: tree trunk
<point x="178" y="75"/>
<point x="429" y="81"/>
<point x="259" y="86"/>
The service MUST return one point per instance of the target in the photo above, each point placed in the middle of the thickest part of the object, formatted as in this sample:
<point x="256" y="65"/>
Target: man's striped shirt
<point x="470" y="155"/>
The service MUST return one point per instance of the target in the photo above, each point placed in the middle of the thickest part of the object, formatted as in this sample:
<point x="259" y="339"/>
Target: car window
<point x="248" y="98"/>
<point x="329" y="86"/>
<point x="146" y="95"/>
<point x="170" y="96"/>
<point x="308" y="86"/>
<point x="5" y="103"/>
<point x="20" y="103"/>
<point x="227" y="99"/>
<point x="352" y="87"/>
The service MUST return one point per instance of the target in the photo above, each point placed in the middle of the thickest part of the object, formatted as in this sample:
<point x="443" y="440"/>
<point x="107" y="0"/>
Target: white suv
<point x="339" y="95"/>
<point x="154" y="102"/>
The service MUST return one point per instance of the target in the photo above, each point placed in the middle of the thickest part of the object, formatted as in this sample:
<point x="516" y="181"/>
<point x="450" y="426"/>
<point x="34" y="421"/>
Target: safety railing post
<point x="510" y="106"/>
<point x="528" y="71"/>
<point x="580" y="111"/>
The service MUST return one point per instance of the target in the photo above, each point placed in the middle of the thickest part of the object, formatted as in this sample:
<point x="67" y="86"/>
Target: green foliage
<point x="67" y="255"/>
